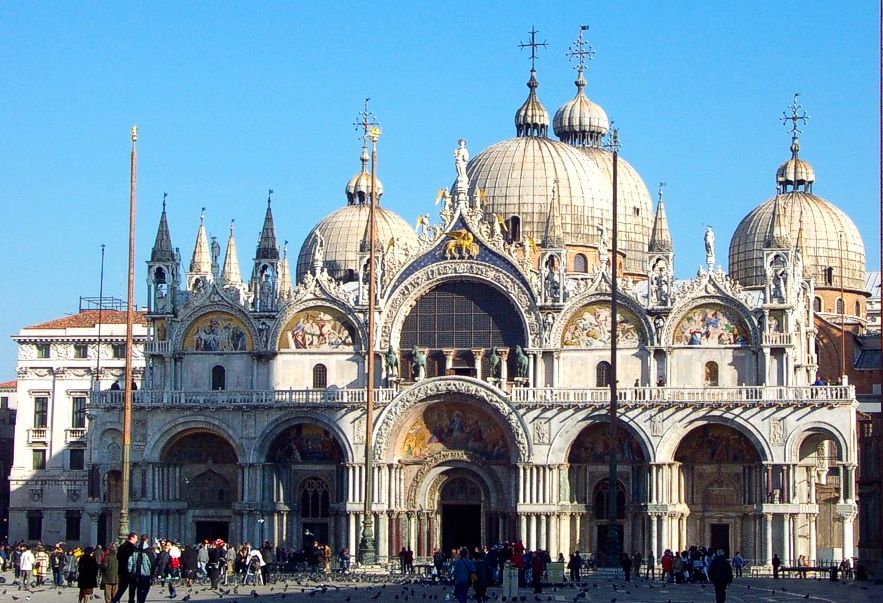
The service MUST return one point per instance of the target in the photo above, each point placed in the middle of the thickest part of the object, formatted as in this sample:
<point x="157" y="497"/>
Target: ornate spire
<point x="660" y="237"/>
<point x="267" y="248"/>
<point x="231" y="274"/>
<point x="778" y="236"/>
<point x="284" y="274"/>
<point x="554" y="231"/>
<point x="162" y="247"/>
<point x="201" y="262"/>
<point x="532" y="119"/>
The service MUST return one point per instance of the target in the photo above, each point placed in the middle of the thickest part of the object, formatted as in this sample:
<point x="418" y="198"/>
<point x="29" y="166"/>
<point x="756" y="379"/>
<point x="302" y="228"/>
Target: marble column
<point x="654" y="536"/>
<point x="811" y="518"/>
<point x="449" y="360"/>
<point x="504" y="366"/>
<point x="476" y="356"/>
<point x="848" y="540"/>
<point x="768" y="538"/>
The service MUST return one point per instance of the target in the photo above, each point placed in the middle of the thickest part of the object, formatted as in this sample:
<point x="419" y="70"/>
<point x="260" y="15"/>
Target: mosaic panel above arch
<point x="713" y="443"/>
<point x="589" y="327"/>
<point x="305" y="443"/>
<point x="592" y="446"/>
<point x="318" y="329"/>
<point x="445" y="426"/>
<point x="711" y="325"/>
<point x="218" y="332"/>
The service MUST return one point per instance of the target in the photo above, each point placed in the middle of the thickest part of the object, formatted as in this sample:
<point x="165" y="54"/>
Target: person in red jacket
<point x="666" y="563"/>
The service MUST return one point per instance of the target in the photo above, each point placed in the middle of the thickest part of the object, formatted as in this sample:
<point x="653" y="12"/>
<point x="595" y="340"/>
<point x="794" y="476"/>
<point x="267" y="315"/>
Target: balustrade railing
<point x="777" y="339"/>
<point x="76" y="434"/>
<point x="748" y="395"/>
<point x="38" y="435"/>
<point x="157" y="347"/>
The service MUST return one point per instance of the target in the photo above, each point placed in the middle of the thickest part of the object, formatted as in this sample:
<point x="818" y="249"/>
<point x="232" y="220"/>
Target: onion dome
<point x="579" y="121"/>
<point x="518" y="178"/>
<point x="827" y="236"/>
<point x="358" y="189"/>
<point x="336" y="240"/>
<point x="532" y="119"/>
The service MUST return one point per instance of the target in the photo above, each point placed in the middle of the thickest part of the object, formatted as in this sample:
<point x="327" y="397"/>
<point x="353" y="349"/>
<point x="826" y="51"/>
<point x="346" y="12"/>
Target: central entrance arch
<point x="462" y="506"/>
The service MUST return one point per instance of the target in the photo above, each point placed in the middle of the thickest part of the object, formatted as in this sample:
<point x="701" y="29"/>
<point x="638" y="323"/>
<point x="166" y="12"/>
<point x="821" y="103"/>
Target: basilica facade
<point x="492" y="341"/>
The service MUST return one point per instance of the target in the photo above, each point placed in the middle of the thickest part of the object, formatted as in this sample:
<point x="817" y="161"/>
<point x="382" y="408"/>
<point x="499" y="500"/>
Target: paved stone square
<point x="603" y="589"/>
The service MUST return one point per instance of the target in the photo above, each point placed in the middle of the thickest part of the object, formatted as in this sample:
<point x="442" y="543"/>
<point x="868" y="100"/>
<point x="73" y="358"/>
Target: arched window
<point x="858" y="309"/>
<point x="829" y="275"/>
<point x="219" y="377"/>
<point x="817" y="304"/>
<point x="314" y="499"/>
<point x="580" y="264"/>
<point x="838" y="307"/>
<point x="711" y="374"/>
<point x="320" y="377"/>
<point x="602" y="374"/>
<point x="601" y="498"/>
<point x="515" y="228"/>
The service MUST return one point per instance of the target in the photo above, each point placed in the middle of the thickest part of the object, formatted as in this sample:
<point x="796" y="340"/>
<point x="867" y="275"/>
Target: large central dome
<point x="518" y="175"/>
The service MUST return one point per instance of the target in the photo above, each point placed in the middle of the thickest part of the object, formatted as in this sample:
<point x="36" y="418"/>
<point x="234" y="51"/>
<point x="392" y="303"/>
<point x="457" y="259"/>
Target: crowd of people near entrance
<point x="128" y="570"/>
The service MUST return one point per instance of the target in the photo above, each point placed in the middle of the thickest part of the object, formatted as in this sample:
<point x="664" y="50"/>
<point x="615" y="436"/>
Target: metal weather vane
<point x="580" y="50"/>
<point x="533" y="45"/>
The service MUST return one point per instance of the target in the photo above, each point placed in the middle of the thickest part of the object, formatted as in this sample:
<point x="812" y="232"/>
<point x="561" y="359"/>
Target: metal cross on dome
<point x="533" y="45"/>
<point x="580" y="50"/>
<point x="797" y="115"/>
<point x="367" y="122"/>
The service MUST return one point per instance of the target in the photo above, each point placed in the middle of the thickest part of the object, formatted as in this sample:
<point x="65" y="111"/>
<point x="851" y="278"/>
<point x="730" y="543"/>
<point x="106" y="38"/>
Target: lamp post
<point x="614" y="542"/>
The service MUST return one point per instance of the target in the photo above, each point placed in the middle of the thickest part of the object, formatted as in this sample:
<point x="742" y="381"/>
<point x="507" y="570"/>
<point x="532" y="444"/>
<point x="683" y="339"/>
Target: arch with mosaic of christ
<point x="444" y="426"/>
<point x="589" y="327"/>
<point x="711" y="325"/>
<point x="218" y="332"/>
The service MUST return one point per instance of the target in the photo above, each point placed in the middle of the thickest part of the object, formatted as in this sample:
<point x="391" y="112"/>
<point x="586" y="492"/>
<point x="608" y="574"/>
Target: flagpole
<point x="130" y="319"/>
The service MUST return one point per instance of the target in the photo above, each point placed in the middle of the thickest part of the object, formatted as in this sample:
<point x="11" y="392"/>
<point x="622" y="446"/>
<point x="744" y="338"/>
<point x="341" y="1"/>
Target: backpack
<point x="175" y="563"/>
<point x="254" y="565"/>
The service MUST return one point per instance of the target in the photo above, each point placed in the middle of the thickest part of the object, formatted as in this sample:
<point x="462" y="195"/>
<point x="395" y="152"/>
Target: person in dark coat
<point x="627" y="566"/>
<point x="721" y="575"/>
<point x="123" y="553"/>
<point x="776" y="563"/>
<point x="189" y="564"/>
<point x="162" y="568"/>
<point x="484" y="576"/>
<point x="87" y="575"/>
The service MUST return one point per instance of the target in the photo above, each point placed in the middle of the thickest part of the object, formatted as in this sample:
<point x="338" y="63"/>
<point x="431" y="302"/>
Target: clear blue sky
<point x="235" y="98"/>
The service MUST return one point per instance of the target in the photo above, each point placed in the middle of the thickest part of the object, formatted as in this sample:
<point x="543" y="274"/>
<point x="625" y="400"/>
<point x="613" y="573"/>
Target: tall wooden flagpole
<point x="130" y="319"/>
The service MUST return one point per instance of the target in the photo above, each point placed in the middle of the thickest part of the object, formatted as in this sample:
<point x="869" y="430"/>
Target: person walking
<point x="721" y="575"/>
<point x="626" y="562"/>
<point x="651" y="566"/>
<point x="462" y="570"/>
<point x="42" y="564"/>
<point x="163" y="568"/>
<point x="124" y="552"/>
<point x="26" y="567"/>
<point x="575" y="565"/>
<point x="87" y="575"/>
<point x="56" y="563"/>
<point x="738" y="564"/>
<point x="537" y="567"/>
<point x="776" y="563"/>
<point x="110" y="572"/>
<point x="141" y="568"/>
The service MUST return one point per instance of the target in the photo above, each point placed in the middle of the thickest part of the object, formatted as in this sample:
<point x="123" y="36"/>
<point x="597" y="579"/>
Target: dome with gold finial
<point x="832" y="247"/>
<point x="335" y="242"/>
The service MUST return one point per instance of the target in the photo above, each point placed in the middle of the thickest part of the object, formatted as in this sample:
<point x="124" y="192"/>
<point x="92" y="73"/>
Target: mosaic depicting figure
<point x="454" y="426"/>
<point x="716" y="444"/>
<point x="305" y="443"/>
<point x="593" y="446"/>
<point x="217" y="332"/>
<point x="709" y="326"/>
<point x="590" y="328"/>
<point x="317" y="330"/>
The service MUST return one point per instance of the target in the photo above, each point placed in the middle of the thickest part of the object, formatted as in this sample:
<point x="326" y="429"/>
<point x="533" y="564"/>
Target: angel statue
<point x="461" y="158"/>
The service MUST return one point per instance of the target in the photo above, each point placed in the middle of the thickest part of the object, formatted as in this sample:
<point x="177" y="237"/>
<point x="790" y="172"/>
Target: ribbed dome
<point x="822" y="223"/>
<point x="635" y="208"/>
<point x="358" y="189"/>
<point x="795" y="172"/>
<point x="342" y="232"/>
<point x="532" y="119"/>
<point x="517" y="176"/>
<point x="579" y="121"/>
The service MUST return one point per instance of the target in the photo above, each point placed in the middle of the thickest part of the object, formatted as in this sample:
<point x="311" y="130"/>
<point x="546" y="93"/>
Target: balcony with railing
<point x="157" y="347"/>
<point x="760" y="395"/>
<point x="777" y="339"/>
<point x="38" y="435"/>
<point x="76" y="434"/>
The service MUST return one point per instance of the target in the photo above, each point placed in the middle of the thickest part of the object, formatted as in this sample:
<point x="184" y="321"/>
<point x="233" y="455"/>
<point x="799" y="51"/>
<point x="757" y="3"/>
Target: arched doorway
<point x="718" y="479"/>
<point x="208" y="484"/>
<point x="460" y="504"/>
<point x="306" y="475"/>
<point x="589" y="484"/>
